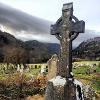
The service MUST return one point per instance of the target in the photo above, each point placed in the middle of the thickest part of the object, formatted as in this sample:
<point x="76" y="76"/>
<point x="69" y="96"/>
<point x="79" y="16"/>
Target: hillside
<point x="89" y="49"/>
<point x="35" y="51"/>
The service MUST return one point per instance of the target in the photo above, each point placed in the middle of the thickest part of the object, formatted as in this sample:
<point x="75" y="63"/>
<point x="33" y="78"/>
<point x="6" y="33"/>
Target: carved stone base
<point x="54" y="92"/>
<point x="59" y="89"/>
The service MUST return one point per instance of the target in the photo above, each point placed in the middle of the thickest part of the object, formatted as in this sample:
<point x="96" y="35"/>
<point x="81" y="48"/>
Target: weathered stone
<point x="55" y="89"/>
<point x="66" y="30"/>
<point x="52" y="67"/>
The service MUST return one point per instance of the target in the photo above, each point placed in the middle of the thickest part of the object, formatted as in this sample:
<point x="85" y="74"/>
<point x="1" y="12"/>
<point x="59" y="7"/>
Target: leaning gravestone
<point x="63" y="86"/>
<point x="52" y="67"/>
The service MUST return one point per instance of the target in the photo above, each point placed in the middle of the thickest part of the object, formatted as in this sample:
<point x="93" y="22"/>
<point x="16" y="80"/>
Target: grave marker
<point x="66" y="29"/>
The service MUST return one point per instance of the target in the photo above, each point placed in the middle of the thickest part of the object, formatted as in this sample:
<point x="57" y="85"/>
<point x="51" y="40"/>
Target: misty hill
<point x="8" y="39"/>
<point x="36" y="51"/>
<point x="52" y="48"/>
<point x="89" y="49"/>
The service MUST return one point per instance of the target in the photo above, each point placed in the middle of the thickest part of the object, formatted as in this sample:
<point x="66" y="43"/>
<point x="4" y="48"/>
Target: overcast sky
<point x="51" y="10"/>
<point x="87" y="10"/>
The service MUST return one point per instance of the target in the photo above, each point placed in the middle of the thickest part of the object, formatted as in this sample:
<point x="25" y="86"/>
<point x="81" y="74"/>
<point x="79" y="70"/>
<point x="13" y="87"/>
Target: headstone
<point x="66" y="29"/>
<point x="52" y="67"/>
<point x="21" y="69"/>
<point x="42" y="69"/>
<point x="18" y="68"/>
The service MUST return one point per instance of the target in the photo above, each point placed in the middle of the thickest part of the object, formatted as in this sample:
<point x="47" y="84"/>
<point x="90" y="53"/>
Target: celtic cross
<point x="66" y="29"/>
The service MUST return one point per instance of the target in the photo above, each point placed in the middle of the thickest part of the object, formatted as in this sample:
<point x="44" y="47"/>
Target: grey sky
<point x="88" y="10"/>
<point x="24" y="26"/>
<point x="29" y="27"/>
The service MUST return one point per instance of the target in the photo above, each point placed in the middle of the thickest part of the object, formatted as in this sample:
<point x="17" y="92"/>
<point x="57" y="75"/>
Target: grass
<point x="96" y="84"/>
<point x="80" y="70"/>
<point x="79" y="73"/>
<point x="33" y="72"/>
<point x="93" y="79"/>
<point x="85" y="62"/>
<point x="98" y="68"/>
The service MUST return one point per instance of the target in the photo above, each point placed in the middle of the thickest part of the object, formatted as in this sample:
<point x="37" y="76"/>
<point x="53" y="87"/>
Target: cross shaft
<point x="66" y="30"/>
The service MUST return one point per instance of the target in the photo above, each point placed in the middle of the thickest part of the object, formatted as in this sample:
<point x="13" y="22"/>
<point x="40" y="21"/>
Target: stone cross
<point x="66" y="29"/>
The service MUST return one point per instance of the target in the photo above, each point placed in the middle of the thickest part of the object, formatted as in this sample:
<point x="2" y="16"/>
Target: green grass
<point x="79" y="73"/>
<point x="85" y="62"/>
<point x="33" y="72"/>
<point x="96" y="84"/>
<point x="93" y="79"/>
<point x="80" y="70"/>
<point x="98" y="68"/>
<point x="3" y="76"/>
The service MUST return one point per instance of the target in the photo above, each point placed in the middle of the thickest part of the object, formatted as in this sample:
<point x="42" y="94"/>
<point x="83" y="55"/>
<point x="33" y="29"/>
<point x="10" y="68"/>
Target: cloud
<point x="27" y="27"/>
<point x="24" y="26"/>
<point x="40" y="37"/>
<point x="19" y="21"/>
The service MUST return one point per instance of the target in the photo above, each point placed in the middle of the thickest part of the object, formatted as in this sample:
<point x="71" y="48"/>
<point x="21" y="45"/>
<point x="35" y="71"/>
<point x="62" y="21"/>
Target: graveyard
<point x="59" y="76"/>
<point x="88" y="72"/>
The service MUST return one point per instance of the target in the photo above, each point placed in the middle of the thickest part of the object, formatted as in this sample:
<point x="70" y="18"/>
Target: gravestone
<point x="18" y="68"/>
<point x="52" y="67"/>
<point x="42" y="69"/>
<point x="66" y="29"/>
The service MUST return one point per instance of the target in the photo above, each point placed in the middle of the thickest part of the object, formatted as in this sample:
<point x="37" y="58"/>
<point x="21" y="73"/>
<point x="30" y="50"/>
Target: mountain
<point x="41" y="51"/>
<point x="27" y="27"/>
<point x="89" y="49"/>
<point x="51" y="48"/>
<point x="8" y="39"/>
<point x="13" y="49"/>
<point x="34" y="51"/>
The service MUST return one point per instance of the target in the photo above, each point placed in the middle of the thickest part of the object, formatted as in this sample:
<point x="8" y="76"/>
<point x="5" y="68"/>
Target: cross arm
<point x="78" y="27"/>
<point x="55" y="29"/>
